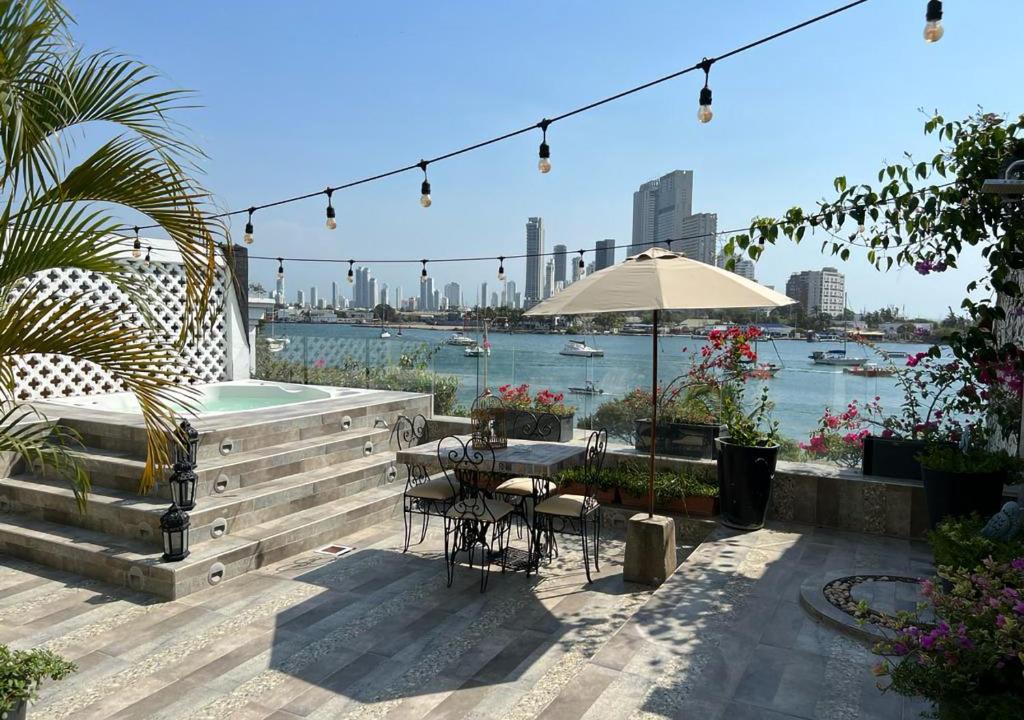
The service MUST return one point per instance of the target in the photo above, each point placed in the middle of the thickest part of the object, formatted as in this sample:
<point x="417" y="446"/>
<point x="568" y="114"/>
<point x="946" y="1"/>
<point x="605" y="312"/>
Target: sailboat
<point x="274" y="343"/>
<point x="384" y="334"/>
<point x="838" y="357"/>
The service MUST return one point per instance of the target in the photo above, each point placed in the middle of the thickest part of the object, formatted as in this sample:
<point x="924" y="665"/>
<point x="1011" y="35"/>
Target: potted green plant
<point x="969" y="659"/>
<point x="542" y="416"/>
<point x="21" y="672"/>
<point x="965" y="479"/>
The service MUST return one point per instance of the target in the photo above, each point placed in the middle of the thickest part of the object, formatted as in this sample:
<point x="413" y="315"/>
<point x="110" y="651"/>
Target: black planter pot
<point x="745" y="477"/>
<point x="951" y="494"/>
<point x="692" y="440"/>
<point x="526" y="425"/>
<point x="891" y="457"/>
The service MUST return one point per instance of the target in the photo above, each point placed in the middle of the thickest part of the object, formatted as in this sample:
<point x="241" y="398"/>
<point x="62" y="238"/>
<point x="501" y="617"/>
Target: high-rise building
<point x="701" y="233"/>
<point x="534" y="266"/>
<point x="819" y="291"/>
<point x="511" y="294"/>
<point x="300" y="298"/>
<point x="279" y="297"/>
<point x="659" y="208"/>
<point x="453" y="292"/>
<point x="549" y="278"/>
<point x="604" y="254"/>
<point x="494" y="299"/>
<point x="398" y="297"/>
<point x="483" y="295"/>
<point x="314" y="296"/>
<point x="383" y="294"/>
<point x="334" y="293"/>
<point x="435" y="302"/>
<point x="372" y="294"/>
<point x="321" y="303"/>
<point x="361" y="295"/>
<point x="560" y="263"/>
<point x="427" y="294"/>
<point x="743" y="267"/>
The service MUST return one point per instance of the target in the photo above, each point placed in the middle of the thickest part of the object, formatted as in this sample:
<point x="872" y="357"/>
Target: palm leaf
<point x="40" y="444"/>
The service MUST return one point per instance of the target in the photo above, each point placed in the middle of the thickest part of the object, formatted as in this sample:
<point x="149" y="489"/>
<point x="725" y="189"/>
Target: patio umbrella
<point x="656" y="280"/>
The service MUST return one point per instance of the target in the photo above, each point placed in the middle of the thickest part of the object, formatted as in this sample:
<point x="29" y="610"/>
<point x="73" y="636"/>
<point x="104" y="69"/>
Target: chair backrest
<point x="593" y="460"/>
<point x="409" y="432"/>
<point x="465" y="462"/>
<point x="536" y="426"/>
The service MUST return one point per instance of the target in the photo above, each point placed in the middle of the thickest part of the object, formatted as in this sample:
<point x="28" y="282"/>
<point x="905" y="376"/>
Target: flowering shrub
<point x="839" y="437"/>
<point x="518" y="397"/>
<point x="971" y="659"/>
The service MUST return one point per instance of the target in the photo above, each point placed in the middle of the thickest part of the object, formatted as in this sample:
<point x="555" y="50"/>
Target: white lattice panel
<point x="334" y="352"/>
<point x="44" y="376"/>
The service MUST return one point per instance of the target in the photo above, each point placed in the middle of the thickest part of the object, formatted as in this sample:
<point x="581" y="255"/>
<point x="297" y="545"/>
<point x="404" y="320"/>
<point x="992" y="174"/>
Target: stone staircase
<point x="272" y="483"/>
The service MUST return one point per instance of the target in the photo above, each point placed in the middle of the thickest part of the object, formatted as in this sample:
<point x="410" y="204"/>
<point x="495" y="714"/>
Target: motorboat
<point x="762" y="371"/>
<point x="894" y="353"/>
<point x="835" y="358"/>
<point x="588" y="388"/>
<point x="275" y="344"/>
<point x="578" y="348"/>
<point x="384" y="334"/>
<point x="476" y="350"/>
<point x="460" y="340"/>
<point x="870" y="370"/>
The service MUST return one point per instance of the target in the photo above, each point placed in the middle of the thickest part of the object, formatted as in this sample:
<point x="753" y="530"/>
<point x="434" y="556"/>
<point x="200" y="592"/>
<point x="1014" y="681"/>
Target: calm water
<point x="800" y="390"/>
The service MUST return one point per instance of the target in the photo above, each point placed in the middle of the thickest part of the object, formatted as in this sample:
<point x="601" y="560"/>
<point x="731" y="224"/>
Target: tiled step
<point x="256" y="429"/>
<point x="139" y="566"/>
<point x="120" y="472"/>
<point x="126" y="515"/>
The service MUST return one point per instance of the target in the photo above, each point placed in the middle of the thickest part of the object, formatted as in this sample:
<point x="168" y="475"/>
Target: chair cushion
<point x="479" y="509"/>
<point x="567" y="505"/>
<point x="433" y="489"/>
<point x="524" y="486"/>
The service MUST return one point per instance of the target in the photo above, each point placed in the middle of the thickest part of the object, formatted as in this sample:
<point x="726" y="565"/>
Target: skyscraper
<point x="372" y="294"/>
<point x="361" y="296"/>
<point x="314" y="296"/>
<point x="300" y="298"/>
<point x="398" y="297"/>
<point x="383" y="293"/>
<point x="534" y="266"/>
<point x="560" y="264"/>
<point x="427" y="294"/>
<point x="659" y="208"/>
<point x="453" y="292"/>
<point x="549" y="278"/>
<point x="510" y="294"/>
<point x="334" y="293"/>
<point x="483" y="295"/>
<point x="436" y="300"/>
<point x="819" y="291"/>
<point x="604" y="254"/>
<point x="701" y="233"/>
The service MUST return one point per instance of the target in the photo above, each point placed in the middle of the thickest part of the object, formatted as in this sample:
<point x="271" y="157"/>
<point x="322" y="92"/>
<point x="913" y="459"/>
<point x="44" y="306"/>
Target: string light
<point x="933" y="30"/>
<point x="581" y="265"/>
<point x="351" y="274"/>
<point x="147" y="261"/>
<point x="137" y="245"/>
<point x="423" y="273"/>
<point x="501" y="268"/>
<point x="248" y="238"/>
<point x="544" y="163"/>
<point x="425" y="200"/>
<point x="280" y="268"/>
<point x="704" y="112"/>
<point x="332" y="224"/>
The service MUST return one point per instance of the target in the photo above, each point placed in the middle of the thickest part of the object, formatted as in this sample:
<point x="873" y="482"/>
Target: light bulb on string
<point x="332" y="224"/>
<point x="425" y="200"/>
<point x="580" y="264"/>
<point x="933" y="30"/>
<point x="351" y="274"/>
<point x="501" y="268"/>
<point x="280" y="268"/>
<point x="544" y="163"/>
<point x="147" y="261"/>
<point x="423" y="273"/>
<point x="137" y="245"/>
<point x="704" y="112"/>
<point x="248" y="237"/>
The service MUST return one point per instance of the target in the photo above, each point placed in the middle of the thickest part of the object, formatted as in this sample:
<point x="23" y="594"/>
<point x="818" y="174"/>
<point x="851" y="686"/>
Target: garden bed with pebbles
<point x="840" y="593"/>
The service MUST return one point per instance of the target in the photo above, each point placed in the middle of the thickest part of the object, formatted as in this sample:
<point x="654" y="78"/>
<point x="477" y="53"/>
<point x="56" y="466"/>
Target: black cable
<point x="521" y="131"/>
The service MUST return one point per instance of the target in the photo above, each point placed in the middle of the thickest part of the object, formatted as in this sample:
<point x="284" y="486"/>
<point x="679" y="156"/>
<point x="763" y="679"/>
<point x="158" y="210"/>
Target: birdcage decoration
<point x="490" y="422"/>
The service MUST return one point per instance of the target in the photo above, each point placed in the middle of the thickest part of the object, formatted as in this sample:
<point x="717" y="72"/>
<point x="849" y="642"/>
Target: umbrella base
<point x="650" y="549"/>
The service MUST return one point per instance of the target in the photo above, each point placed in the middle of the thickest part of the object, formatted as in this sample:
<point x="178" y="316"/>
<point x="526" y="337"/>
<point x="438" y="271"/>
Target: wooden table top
<point x="530" y="458"/>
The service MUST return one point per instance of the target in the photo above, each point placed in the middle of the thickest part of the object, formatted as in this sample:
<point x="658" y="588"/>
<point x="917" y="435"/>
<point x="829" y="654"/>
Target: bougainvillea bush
<point x="968" y="660"/>
<point x="518" y="397"/>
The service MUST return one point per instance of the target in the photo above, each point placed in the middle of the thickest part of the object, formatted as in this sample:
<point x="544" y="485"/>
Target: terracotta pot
<point x="693" y="505"/>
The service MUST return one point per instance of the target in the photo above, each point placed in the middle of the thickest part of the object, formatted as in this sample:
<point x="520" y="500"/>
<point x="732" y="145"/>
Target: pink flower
<point x="320" y="362"/>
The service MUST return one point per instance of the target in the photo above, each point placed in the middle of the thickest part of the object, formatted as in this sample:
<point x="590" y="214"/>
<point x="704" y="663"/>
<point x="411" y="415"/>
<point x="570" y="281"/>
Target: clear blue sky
<point x="299" y="95"/>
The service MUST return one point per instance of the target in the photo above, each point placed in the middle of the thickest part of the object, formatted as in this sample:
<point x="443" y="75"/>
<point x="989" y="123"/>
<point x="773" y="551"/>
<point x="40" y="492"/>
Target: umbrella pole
<point x="654" y="412"/>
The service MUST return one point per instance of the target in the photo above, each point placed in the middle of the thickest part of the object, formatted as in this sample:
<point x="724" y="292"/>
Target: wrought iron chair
<point x="474" y="520"/>
<point x="572" y="514"/>
<point x="517" y="490"/>
<point x="424" y="495"/>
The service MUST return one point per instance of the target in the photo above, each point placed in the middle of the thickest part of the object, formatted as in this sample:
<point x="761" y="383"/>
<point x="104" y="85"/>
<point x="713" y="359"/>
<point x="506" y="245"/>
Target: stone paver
<point x="377" y="634"/>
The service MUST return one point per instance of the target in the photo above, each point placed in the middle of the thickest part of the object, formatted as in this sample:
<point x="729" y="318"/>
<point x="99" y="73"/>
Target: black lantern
<point x="174" y="527"/>
<point x="183" y="486"/>
<point x="187" y="447"/>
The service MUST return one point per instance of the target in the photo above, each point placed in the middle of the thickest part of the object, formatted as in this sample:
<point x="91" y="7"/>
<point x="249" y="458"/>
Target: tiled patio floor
<point x="377" y="634"/>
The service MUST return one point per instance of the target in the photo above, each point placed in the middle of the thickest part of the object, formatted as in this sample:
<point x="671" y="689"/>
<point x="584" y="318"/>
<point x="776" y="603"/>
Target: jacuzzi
<point x="222" y="397"/>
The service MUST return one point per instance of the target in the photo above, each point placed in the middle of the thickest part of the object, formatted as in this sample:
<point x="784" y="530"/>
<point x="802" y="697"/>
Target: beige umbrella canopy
<point x="657" y="280"/>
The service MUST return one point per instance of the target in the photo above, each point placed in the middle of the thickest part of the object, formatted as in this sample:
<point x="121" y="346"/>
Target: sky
<point x="296" y="96"/>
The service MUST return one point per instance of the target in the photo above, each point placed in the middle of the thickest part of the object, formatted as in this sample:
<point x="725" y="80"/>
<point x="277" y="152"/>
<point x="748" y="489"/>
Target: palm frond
<point x="41" y="444"/>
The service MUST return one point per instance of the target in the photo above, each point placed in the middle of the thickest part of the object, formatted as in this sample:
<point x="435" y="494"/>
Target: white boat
<point x="578" y="348"/>
<point x="894" y="353"/>
<point x="835" y="358"/>
<point x="588" y="389"/>
<point x="384" y="334"/>
<point x="476" y="351"/>
<point x="276" y="344"/>
<point x="460" y="340"/>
